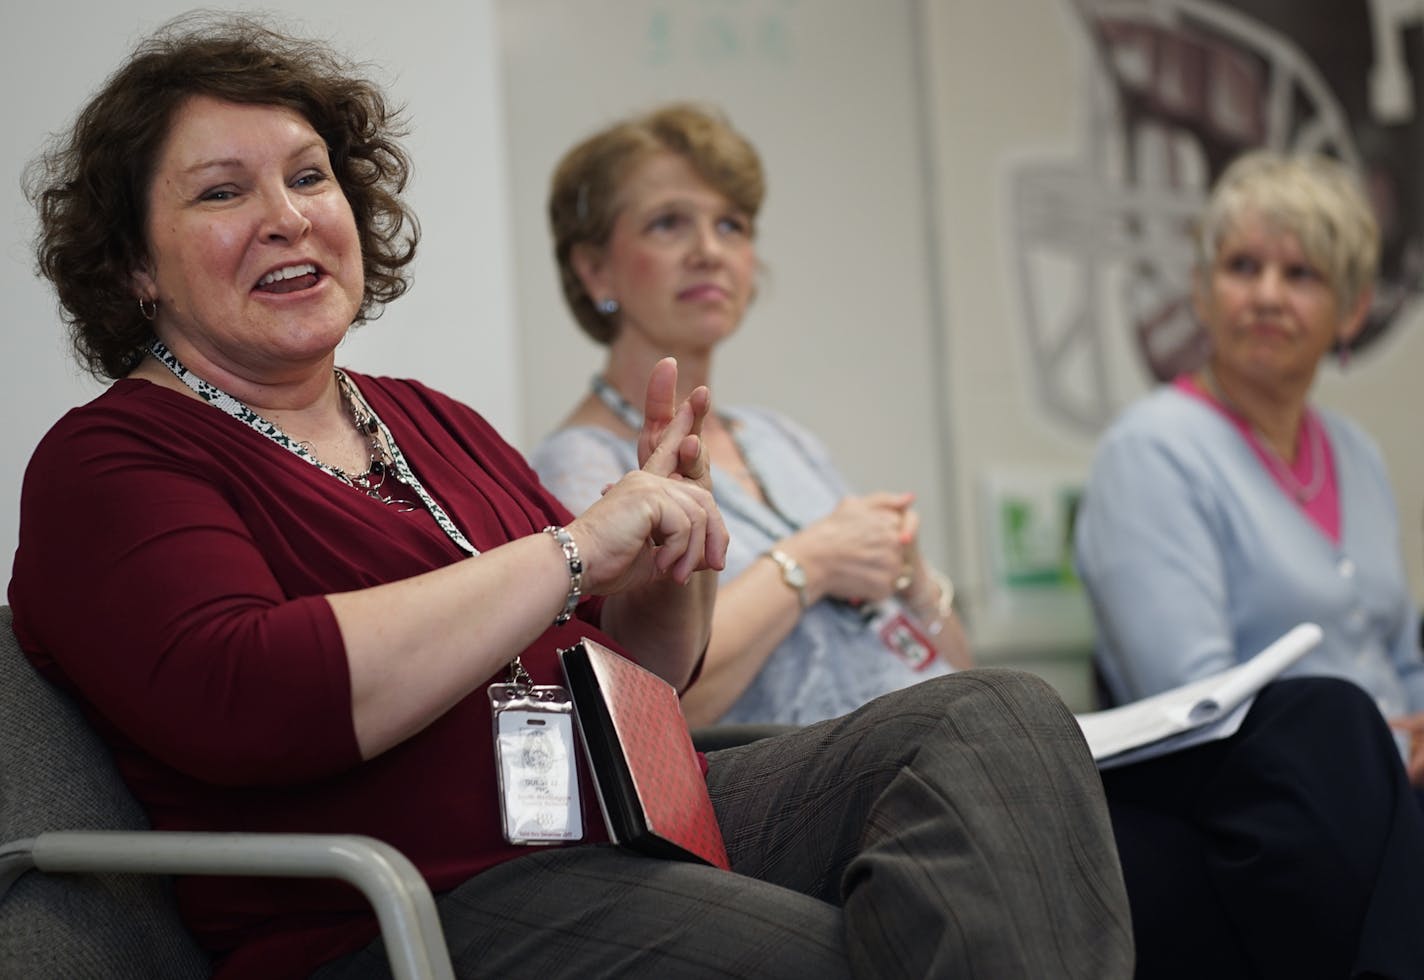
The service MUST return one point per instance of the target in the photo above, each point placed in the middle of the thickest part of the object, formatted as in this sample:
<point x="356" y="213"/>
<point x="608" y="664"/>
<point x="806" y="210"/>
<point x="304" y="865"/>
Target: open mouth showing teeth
<point x="289" y="279"/>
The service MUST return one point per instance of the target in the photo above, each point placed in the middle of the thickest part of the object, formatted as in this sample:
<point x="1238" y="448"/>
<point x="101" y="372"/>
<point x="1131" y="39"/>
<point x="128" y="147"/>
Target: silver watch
<point x="791" y="573"/>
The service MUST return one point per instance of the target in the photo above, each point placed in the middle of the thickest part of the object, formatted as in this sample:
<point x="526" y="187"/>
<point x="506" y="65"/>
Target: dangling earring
<point x="608" y="307"/>
<point x="147" y="308"/>
<point x="1342" y="355"/>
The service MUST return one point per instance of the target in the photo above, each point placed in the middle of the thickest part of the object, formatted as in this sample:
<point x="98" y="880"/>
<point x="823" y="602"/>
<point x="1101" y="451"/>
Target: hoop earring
<point x="608" y="307"/>
<point x="147" y="308"/>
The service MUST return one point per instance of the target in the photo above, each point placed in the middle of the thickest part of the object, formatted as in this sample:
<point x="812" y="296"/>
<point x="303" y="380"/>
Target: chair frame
<point x="395" y="889"/>
<point x="402" y="901"/>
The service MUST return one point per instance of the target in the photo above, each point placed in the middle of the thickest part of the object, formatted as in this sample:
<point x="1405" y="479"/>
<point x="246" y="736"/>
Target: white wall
<point x="453" y="330"/>
<point x="892" y="134"/>
<point x="909" y="362"/>
<point x="843" y="334"/>
<point x="1035" y="110"/>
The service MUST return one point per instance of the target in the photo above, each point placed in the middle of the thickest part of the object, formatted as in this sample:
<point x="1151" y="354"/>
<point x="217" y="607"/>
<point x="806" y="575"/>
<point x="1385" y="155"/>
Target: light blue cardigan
<point x="1195" y="559"/>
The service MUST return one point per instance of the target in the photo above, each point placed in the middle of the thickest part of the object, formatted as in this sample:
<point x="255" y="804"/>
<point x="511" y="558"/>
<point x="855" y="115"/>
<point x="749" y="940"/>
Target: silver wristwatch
<point x="791" y="573"/>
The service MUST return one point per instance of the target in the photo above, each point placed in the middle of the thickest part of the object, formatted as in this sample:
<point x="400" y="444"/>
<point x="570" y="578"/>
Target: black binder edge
<point x="612" y="780"/>
<point x="609" y="767"/>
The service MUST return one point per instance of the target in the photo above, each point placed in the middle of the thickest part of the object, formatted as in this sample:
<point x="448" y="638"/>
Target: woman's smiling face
<point x="253" y="253"/>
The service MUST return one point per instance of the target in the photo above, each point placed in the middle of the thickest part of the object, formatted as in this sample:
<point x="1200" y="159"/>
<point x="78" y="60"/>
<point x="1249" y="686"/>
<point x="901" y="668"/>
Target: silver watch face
<point x="794" y="575"/>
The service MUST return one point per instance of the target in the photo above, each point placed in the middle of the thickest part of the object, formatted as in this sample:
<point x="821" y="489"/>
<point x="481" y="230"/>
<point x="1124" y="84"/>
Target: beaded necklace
<point x="633" y="418"/>
<point x="1303" y="492"/>
<point x="384" y="461"/>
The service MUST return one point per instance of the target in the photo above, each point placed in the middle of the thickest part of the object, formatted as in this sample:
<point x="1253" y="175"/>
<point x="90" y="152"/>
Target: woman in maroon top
<point x="295" y="584"/>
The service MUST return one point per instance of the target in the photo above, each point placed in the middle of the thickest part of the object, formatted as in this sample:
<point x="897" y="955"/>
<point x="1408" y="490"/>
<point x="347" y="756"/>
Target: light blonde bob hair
<point x="1315" y="198"/>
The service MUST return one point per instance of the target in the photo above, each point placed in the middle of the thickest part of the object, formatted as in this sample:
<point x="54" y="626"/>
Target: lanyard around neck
<point x="221" y="400"/>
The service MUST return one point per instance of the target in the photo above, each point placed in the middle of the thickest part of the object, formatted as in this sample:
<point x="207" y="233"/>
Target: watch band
<point x="791" y="573"/>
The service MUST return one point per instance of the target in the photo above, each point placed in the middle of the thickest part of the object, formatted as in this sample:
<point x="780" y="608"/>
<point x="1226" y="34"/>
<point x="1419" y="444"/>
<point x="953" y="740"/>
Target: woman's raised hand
<point x="659" y="520"/>
<point x="670" y="443"/>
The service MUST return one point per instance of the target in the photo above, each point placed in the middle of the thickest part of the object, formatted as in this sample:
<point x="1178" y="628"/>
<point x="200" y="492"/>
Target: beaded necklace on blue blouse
<point x="386" y="459"/>
<point x="633" y="418"/>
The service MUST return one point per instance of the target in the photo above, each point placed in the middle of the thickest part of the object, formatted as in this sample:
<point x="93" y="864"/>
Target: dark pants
<point x="953" y="829"/>
<point x="1293" y="849"/>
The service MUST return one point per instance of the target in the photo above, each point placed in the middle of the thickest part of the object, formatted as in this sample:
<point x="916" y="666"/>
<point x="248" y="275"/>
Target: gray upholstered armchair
<point x="103" y="905"/>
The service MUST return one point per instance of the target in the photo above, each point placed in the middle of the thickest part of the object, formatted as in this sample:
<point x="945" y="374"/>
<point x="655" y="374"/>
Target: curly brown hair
<point x="91" y="185"/>
<point x="584" y="194"/>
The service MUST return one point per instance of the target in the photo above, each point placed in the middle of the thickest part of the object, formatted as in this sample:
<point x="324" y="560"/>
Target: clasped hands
<point x="660" y="520"/>
<point x="864" y="551"/>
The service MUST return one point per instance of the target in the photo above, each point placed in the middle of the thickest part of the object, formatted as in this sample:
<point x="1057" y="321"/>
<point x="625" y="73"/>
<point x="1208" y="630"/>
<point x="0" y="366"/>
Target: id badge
<point x="901" y="635"/>
<point x="536" y="762"/>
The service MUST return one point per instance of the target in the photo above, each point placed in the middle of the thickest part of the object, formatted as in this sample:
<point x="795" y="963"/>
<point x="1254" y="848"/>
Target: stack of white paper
<point x="1197" y="712"/>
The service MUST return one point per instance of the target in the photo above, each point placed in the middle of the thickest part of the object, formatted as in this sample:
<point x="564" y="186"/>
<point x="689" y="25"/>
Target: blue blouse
<point x="831" y="663"/>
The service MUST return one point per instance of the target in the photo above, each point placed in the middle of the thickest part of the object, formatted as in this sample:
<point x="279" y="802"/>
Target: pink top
<point x="1309" y="481"/>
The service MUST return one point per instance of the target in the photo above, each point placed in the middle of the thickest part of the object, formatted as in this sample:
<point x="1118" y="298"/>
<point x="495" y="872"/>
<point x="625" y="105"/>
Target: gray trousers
<point x="956" y="828"/>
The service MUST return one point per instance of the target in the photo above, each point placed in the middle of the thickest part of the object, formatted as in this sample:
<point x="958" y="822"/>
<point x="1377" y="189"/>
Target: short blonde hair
<point x="1315" y="198"/>
<point x="585" y="192"/>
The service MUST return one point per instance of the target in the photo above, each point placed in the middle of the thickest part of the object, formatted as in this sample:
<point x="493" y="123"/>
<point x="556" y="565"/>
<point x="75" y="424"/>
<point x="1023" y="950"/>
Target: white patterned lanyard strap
<point x="220" y="399"/>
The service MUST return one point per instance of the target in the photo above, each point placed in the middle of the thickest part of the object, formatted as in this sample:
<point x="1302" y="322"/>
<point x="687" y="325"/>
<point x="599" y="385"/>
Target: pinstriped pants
<point x="956" y="828"/>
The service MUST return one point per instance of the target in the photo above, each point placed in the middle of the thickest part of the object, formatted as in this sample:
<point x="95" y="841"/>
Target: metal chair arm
<point x="401" y="898"/>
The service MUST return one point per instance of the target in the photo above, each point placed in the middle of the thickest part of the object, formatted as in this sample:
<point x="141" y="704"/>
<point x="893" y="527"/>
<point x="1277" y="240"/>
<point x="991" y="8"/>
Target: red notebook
<point x="650" y="785"/>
